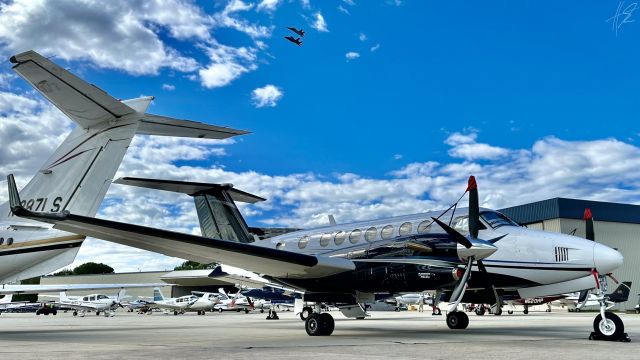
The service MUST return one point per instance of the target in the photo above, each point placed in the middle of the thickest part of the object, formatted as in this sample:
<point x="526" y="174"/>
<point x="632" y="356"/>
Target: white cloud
<point x="268" y="5"/>
<point x="465" y="146"/>
<point x="5" y="79"/>
<point x="362" y="37"/>
<point x="227" y="64"/>
<point x="168" y="87"/>
<point x="343" y="10"/>
<point x="397" y="156"/>
<point x="306" y="4"/>
<point x="319" y="23"/>
<point x="349" y="2"/>
<point x="111" y="35"/>
<point x="268" y="95"/>
<point x="375" y="48"/>
<point x="351" y="55"/>
<point x="225" y="18"/>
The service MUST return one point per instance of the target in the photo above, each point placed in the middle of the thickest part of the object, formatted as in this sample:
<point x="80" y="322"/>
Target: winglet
<point x="17" y="209"/>
<point x="14" y="197"/>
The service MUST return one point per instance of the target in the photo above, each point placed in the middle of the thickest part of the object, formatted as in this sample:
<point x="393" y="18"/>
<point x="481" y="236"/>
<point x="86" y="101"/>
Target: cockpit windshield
<point x="496" y="219"/>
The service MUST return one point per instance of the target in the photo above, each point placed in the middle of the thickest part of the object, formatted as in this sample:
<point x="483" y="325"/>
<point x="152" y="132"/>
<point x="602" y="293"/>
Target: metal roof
<point x="573" y="209"/>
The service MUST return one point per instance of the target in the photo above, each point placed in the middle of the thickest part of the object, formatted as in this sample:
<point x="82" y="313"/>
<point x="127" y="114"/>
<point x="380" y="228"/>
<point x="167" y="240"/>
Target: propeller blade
<point x="455" y="235"/>
<point x="474" y="208"/>
<point x="590" y="235"/>
<point x="488" y="283"/>
<point x="463" y="281"/>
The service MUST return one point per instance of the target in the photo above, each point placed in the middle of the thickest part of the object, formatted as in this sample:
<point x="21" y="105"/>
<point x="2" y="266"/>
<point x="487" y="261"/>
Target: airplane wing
<point x="259" y="259"/>
<point x="84" y="103"/>
<point x="166" y="126"/>
<point x="37" y="289"/>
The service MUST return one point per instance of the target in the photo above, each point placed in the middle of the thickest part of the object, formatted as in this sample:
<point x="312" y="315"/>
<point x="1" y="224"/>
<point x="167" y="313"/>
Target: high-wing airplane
<point x="97" y="303"/>
<point x="77" y="175"/>
<point x="227" y="302"/>
<point x="347" y="264"/>
<point x="294" y="40"/>
<point x="299" y="32"/>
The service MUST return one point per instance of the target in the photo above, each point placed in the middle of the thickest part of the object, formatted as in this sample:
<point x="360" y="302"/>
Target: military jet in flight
<point x="294" y="40"/>
<point x="299" y="32"/>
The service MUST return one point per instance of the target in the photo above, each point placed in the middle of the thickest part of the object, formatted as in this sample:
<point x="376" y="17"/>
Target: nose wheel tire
<point x="480" y="310"/>
<point x="319" y="324"/>
<point x="611" y="328"/>
<point x="457" y="320"/>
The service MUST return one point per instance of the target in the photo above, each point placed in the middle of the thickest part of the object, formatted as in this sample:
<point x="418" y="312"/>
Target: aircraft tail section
<point x="63" y="296"/>
<point x="157" y="294"/>
<point x="218" y="214"/>
<point x="621" y="293"/>
<point x="121" y="295"/>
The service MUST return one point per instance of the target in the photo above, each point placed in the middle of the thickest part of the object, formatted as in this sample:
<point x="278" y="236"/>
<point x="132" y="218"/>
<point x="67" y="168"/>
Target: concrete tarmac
<point x="385" y="335"/>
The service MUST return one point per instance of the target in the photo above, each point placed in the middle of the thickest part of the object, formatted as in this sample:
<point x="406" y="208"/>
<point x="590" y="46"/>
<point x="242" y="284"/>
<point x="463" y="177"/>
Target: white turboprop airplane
<point x="237" y="302"/>
<point x="347" y="264"/>
<point x="97" y="303"/>
<point x="76" y="177"/>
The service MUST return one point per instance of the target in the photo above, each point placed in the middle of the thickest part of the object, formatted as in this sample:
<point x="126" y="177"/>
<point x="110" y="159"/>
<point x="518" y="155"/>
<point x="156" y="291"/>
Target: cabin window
<point x="325" y="240"/>
<point x="370" y="234"/>
<point x="339" y="238"/>
<point x="424" y="227"/>
<point x="86" y="298"/>
<point x="405" y="229"/>
<point x="9" y="241"/>
<point x="461" y="223"/>
<point x="302" y="243"/>
<point x="387" y="232"/>
<point x="354" y="237"/>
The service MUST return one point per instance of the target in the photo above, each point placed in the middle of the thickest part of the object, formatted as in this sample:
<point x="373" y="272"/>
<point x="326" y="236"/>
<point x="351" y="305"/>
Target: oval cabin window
<point x="387" y="232"/>
<point x="405" y="229"/>
<point x="354" y="237"/>
<point x="339" y="238"/>
<point x="370" y="234"/>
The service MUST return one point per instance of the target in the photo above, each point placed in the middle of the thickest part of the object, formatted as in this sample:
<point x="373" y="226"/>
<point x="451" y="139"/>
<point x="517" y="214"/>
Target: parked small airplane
<point x="294" y="40"/>
<point x="97" y="303"/>
<point x="299" y="32"/>
<point x="228" y="302"/>
<point x="183" y="304"/>
<point x="77" y="175"/>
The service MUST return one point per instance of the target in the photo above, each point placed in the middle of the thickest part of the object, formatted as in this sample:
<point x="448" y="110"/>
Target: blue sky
<point x="538" y="99"/>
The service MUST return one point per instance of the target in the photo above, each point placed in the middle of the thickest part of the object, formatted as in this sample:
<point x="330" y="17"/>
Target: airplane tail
<point x="218" y="214"/>
<point x="621" y="294"/>
<point x="63" y="296"/>
<point x="76" y="177"/>
<point x="121" y="294"/>
<point x="157" y="294"/>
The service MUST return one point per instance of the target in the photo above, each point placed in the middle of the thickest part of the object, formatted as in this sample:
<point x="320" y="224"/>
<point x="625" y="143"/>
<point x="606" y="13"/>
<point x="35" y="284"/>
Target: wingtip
<point x="14" y="196"/>
<point x="13" y="60"/>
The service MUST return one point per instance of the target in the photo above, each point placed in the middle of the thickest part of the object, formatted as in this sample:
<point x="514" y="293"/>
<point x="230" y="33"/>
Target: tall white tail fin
<point x="121" y="294"/>
<point x="157" y="294"/>
<point x="63" y="296"/>
<point x="77" y="176"/>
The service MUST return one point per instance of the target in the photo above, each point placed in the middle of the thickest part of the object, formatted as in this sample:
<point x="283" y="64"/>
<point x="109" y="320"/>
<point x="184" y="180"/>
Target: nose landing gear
<point x="607" y="325"/>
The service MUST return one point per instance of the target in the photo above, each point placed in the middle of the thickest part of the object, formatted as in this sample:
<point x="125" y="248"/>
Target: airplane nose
<point x="606" y="259"/>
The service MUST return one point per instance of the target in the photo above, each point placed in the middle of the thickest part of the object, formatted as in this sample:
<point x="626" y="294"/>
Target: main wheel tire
<point x="306" y="312"/>
<point x="509" y="312"/>
<point x="611" y="328"/>
<point x="498" y="311"/>
<point x="54" y="312"/>
<point x="525" y="312"/>
<point x="175" y="313"/>
<point x="327" y="323"/>
<point x="437" y="311"/>
<point x="479" y="310"/>
<point x="75" y="313"/>
<point x="312" y="325"/>
<point x="220" y="310"/>
<point x="457" y="320"/>
<point x="246" y="311"/>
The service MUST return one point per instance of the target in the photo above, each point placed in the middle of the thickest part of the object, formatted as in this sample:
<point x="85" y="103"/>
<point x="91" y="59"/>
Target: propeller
<point x="589" y="235"/>
<point x="471" y="249"/>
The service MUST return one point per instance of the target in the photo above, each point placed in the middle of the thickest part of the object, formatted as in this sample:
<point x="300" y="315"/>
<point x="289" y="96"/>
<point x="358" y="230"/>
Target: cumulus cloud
<point x="375" y="48"/>
<point x="268" y="5"/>
<point x="168" y="87"/>
<point x="465" y="146"/>
<point x="227" y="64"/>
<point x="319" y="23"/>
<point x="362" y="37"/>
<point x="5" y="79"/>
<point x="268" y="95"/>
<point x="351" y="55"/>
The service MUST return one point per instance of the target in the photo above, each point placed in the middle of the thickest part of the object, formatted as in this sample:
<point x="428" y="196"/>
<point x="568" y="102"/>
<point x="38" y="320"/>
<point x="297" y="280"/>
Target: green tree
<point x="92" y="268"/>
<point x="192" y="265"/>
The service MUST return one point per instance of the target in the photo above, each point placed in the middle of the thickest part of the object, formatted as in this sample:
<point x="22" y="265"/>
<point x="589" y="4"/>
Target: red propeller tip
<point x="472" y="185"/>
<point x="587" y="214"/>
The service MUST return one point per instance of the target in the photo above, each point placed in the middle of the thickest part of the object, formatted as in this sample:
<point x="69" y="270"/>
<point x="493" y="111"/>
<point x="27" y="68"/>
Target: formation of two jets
<point x="296" y="41"/>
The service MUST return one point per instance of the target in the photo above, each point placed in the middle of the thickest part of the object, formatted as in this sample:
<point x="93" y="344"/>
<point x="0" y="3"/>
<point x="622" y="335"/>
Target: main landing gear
<point x="319" y="324"/>
<point x="272" y="315"/>
<point x="607" y="325"/>
<point x="457" y="320"/>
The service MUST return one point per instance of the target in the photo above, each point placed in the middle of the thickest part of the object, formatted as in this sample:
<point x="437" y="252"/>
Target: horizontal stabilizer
<point x="84" y="103"/>
<point x="166" y="126"/>
<point x="190" y="188"/>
